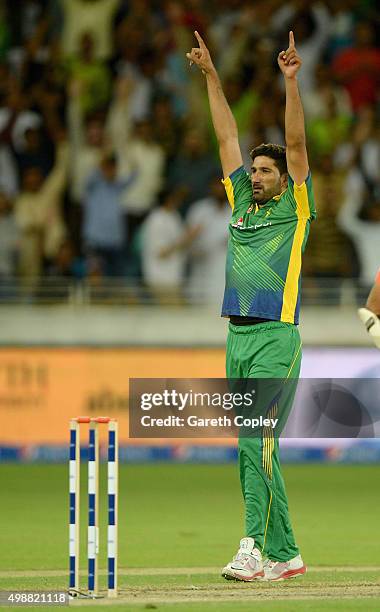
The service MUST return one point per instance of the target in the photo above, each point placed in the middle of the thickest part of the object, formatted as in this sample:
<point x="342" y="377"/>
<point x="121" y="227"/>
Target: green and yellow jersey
<point x="263" y="269"/>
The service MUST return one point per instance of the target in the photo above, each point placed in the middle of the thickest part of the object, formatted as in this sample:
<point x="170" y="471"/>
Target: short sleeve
<point x="301" y="197"/>
<point x="238" y="187"/>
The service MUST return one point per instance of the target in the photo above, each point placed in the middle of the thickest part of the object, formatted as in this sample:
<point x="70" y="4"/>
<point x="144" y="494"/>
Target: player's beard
<point x="263" y="195"/>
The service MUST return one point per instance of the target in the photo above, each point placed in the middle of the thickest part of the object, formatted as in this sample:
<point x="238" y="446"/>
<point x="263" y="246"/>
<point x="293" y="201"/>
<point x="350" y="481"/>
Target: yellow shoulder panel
<point x="229" y="191"/>
<point x="294" y="268"/>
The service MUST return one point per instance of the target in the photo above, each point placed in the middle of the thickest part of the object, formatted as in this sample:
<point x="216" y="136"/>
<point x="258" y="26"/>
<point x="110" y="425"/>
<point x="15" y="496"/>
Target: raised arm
<point x="55" y="182"/>
<point x="222" y="117"/>
<point x="295" y="137"/>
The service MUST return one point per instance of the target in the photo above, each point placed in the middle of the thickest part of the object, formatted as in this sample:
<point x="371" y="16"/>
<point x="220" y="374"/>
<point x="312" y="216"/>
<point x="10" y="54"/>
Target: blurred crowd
<point x="108" y="161"/>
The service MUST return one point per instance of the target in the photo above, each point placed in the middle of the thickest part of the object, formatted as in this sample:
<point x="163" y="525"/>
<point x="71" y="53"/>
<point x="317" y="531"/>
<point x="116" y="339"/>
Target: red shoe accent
<point x="291" y="573"/>
<point x="250" y="578"/>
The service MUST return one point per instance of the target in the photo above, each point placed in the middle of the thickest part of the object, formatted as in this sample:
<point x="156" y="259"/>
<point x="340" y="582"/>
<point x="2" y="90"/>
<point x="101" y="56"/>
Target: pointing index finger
<point x="291" y="39"/>
<point x="199" y="39"/>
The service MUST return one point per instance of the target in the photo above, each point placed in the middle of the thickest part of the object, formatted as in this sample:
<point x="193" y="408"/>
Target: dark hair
<point x="275" y="152"/>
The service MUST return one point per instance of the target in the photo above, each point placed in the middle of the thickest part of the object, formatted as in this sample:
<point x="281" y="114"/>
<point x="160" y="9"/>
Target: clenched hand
<point x="289" y="60"/>
<point x="200" y="55"/>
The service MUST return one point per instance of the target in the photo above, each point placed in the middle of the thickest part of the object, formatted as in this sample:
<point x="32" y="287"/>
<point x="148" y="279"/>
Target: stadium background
<point x="90" y="87"/>
<point x="88" y="81"/>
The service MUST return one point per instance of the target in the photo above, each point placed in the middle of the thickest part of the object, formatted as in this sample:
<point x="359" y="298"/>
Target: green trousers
<point x="266" y="350"/>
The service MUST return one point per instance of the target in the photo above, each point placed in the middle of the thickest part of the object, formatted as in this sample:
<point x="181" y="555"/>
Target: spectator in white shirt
<point x="359" y="216"/>
<point x="362" y="225"/>
<point x="39" y="216"/>
<point x="164" y="244"/>
<point x="144" y="156"/>
<point x="208" y="251"/>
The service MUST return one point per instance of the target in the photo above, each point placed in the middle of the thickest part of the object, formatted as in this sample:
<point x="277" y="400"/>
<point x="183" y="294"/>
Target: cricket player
<point x="370" y="315"/>
<point x="272" y="208"/>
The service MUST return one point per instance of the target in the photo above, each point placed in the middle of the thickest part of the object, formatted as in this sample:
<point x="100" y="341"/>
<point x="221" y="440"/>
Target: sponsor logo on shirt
<point x="239" y="225"/>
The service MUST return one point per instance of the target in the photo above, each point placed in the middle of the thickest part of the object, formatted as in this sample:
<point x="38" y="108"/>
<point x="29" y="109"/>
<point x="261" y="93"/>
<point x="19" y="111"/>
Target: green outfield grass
<point x="190" y="517"/>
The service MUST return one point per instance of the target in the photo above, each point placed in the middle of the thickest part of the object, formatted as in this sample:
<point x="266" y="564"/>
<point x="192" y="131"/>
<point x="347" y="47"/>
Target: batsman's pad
<point x="372" y="324"/>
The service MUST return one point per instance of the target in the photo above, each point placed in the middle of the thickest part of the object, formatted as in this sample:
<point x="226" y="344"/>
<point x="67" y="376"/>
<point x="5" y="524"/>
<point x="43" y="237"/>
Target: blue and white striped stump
<point x="93" y="504"/>
<point x="93" y="495"/>
<point x="112" y="487"/>
<point x="74" y="487"/>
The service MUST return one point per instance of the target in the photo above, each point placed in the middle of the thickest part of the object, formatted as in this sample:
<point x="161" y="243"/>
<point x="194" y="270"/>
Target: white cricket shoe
<point x="247" y="564"/>
<point x="282" y="570"/>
